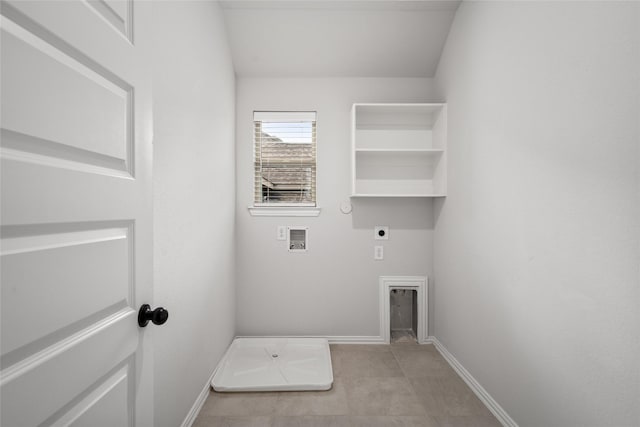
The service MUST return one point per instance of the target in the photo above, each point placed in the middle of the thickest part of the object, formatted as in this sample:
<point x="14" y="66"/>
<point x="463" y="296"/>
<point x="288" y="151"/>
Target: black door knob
<point x="157" y="316"/>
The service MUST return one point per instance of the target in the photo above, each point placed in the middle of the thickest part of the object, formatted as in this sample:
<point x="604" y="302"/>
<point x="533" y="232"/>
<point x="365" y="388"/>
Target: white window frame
<point x="283" y="209"/>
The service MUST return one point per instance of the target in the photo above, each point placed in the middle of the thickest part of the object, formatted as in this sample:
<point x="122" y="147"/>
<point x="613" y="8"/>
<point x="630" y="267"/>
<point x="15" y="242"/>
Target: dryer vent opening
<point x="404" y="315"/>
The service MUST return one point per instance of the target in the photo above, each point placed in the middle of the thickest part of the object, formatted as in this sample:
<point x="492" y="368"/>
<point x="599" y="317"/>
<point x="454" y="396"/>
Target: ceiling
<point x="337" y="38"/>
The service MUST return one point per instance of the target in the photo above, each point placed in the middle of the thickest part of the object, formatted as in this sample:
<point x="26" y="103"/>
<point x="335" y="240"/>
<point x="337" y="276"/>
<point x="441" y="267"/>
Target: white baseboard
<point x="364" y="339"/>
<point x="427" y="340"/>
<point x="356" y="340"/>
<point x="197" y="405"/>
<point x="474" y="385"/>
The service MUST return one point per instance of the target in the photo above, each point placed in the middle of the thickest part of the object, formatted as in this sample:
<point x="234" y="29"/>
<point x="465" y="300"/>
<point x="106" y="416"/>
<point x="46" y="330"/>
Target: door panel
<point x="54" y="97"/>
<point x="117" y="13"/>
<point x="105" y="406"/>
<point x="37" y="388"/>
<point x="75" y="236"/>
<point x="93" y="266"/>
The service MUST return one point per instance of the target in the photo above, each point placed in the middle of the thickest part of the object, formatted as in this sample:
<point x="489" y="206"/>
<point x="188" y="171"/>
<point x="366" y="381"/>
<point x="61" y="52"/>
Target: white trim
<point x="429" y="340"/>
<point x="399" y="195"/>
<point x="340" y="5"/>
<point x="197" y="405"/>
<point x="29" y="363"/>
<point x="434" y="151"/>
<point x="305" y="243"/>
<point x="283" y="211"/>
<point x="474" y="385"/>
<point x="357" y="339"/>
<point x="353" y="149"/>
<point x="400" y="104"/>
<point x="417" y="283"/>
<point x="284" y="116"/>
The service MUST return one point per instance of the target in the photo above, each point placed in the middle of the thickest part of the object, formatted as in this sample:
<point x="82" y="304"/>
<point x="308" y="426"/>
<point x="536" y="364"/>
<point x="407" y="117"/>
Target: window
<point x="285" y="158"/>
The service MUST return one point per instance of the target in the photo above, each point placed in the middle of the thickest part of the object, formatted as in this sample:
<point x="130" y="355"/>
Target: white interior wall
<point x="537" y="244"/>
<point x="194" y="197"/>
<point x="332" y="290"/>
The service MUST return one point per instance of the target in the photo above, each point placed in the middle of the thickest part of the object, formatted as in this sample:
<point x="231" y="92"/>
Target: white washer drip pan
<point x="275" y="364"/>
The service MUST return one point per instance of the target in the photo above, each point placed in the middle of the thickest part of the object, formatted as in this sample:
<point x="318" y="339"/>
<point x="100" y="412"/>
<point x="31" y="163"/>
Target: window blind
<point x="284" y="158"/>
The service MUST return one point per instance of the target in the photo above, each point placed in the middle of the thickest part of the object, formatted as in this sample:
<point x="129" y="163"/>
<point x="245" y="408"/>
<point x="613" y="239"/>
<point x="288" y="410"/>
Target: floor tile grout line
<point x="413" y="390"/>
<point x="399" y="364"/>
<point x="411" y="384"/>
<point x="405" y="377"/>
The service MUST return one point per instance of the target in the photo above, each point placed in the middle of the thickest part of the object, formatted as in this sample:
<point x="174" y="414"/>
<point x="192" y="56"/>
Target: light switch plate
<point x="378" y="252"/>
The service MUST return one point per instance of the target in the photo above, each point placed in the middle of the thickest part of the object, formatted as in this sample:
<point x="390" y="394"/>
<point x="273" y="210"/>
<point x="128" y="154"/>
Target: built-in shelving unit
<point x="398" y="150"/>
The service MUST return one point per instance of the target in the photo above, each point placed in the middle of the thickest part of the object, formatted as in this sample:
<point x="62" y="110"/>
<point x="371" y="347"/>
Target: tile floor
<point x="400" y="385"/>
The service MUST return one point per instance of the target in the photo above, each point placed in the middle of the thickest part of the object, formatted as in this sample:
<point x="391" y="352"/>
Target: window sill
<point x="283" y="211"/>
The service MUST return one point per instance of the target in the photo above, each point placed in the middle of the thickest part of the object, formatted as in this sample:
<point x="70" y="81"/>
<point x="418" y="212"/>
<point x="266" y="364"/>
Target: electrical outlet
<point x="282" y="232"/>
<point x="381" y="232"/>
<point x="378" y="252"/>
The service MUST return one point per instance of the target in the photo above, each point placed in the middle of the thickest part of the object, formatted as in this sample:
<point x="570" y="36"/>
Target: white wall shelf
<point x="398" y="150"/>
<point x="434" y="151"/>
<point x="398" y="195"/>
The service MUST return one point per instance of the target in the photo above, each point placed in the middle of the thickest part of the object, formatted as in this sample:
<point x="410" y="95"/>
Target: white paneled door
<point x="76" y="213"/>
